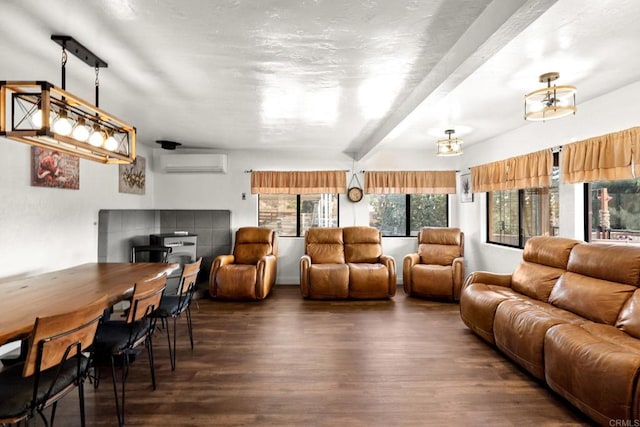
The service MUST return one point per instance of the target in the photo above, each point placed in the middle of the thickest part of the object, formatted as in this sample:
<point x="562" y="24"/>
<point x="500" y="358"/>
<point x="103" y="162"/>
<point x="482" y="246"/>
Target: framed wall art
<point x="50" y="168"/>
<point x="131" y="178"/>
<point x="466" y="196"/>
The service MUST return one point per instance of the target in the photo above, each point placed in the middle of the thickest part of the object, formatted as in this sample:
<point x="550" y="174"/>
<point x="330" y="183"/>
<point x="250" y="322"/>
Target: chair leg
<point x="151" y="363"/>
<point x="171" y="353"/>
<point x="190" y="326"/>
<point x="115" y="390"/>
<point x="173" y="357"/>
<point x="81" y="399"/>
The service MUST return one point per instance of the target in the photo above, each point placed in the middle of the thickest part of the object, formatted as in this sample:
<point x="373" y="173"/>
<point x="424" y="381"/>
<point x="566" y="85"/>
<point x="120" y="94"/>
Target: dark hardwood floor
<point x="293" y="362"/>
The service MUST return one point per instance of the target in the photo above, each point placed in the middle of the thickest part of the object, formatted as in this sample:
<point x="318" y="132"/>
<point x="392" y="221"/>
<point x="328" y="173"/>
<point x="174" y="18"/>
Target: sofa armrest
<point x="265" y="275"/>
<point x="458" y="276"/>
<point x="305" y="266"/>
<point x="218" y="262"/>
<point x="389" y="262"/>
<point x="488" y="279"/>
<point x="407" y="278"/>
<point x="221" y="260"/>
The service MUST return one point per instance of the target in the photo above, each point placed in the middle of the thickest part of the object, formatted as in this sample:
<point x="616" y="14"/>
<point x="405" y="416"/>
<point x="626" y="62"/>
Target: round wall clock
<point x="354" y="194"/>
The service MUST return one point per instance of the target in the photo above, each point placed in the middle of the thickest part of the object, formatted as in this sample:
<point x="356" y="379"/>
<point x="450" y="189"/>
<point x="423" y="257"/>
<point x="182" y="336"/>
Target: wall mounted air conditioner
<point x="192" y="163"/>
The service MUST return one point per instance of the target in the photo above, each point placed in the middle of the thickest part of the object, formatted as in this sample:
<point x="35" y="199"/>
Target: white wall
<point x="605" y="114"/>
<point x="45" y="229"/>
<point x="224" y="191"/>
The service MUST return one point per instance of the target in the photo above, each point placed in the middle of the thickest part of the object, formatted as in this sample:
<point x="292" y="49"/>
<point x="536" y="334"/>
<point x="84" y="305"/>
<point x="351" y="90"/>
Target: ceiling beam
<point x="498" y="24"/>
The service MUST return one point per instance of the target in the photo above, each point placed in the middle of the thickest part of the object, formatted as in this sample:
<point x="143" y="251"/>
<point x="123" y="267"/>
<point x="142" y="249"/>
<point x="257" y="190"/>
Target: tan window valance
<point x="527" y="171"/>
<point x="298" y="182"/>
<point x="410" y="182"/>
<point x="609" y="157"/>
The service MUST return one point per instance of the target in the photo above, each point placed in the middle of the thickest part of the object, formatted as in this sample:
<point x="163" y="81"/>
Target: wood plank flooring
<point x="293" y="362"/>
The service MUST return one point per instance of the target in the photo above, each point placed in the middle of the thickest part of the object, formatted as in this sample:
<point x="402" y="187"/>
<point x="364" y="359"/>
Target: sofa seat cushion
<point x="478" y="305"/>
<point x="432" y="281"/>
<point x="236" y="281"/>
<point x="368" y="281"/>
<point x="329" y="281"/>
<point x="596" y="368"/>
<point x="519" y="329"/>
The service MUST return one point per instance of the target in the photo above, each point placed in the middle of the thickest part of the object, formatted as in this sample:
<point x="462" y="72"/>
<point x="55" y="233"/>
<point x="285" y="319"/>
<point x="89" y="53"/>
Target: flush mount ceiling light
<point x="41" y="114"/>
<point x="551" y="102"/>
<point x="449" y="146"/>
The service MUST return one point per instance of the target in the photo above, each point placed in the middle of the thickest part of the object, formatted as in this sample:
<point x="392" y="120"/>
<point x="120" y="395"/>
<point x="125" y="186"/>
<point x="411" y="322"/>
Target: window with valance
<point x="298" y="182"/>
<point x="611" y="157"/>
<point x="410" y="182"/>
<point x="531" y="170"/>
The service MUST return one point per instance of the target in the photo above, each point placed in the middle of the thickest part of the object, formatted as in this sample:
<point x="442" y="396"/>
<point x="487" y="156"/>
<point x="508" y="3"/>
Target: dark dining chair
<point x="117" y="341"/>
<point x="57" y="363"/>
<point x="172" y="306"/>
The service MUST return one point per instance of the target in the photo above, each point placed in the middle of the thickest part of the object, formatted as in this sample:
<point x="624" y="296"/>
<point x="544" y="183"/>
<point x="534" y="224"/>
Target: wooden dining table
<point x="23" y="300"/>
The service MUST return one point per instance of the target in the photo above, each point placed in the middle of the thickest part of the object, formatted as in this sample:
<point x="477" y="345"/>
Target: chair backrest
<point x="150" y="253"/>
<point x="252" y="243"/>
<point x="59" y="337"/>
<point x="146" y="298"/>
<point x="362" y="244"/>
<point x="189" y="277"/>
<point x="325" y="245"/>
<point x="440" y="245"/>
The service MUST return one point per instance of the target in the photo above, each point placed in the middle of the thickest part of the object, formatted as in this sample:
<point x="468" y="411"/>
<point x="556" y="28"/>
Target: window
<point x="291" y="215"/>
<point x="516" y="215"/>
<point x="389" y="212"/>
<point x="613" y="210"/>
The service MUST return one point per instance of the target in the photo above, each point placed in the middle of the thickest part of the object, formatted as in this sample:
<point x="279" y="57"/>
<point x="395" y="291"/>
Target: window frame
<point x="299" y="213"/>
<point x="588" y="214"/>
<point x="521" y="205"/>
<point x="407" y="213"/>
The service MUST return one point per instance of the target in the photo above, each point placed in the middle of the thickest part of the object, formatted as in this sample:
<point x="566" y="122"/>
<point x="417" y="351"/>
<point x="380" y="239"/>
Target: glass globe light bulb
<point x="63" y="125"/>
<point x="81" y="131"/>
<point x="111" y="144"/>
<point x="97" y="138"/>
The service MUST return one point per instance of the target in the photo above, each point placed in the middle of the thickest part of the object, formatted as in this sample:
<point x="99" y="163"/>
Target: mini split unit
<point x="191" y="163"/>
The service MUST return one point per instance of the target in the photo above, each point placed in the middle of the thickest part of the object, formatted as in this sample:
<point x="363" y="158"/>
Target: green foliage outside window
<point x="388" y="212"/>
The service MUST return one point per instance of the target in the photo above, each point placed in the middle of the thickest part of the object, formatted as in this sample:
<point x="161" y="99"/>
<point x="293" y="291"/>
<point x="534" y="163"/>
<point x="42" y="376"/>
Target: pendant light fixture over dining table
<point x="41" y="114"/>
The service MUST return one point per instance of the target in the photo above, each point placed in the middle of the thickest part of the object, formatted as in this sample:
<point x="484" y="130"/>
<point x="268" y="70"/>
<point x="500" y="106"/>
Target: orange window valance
<point x="527" y="171"/>
<point x="610" y="157"/>
<point x="298" y="182"/>
<point x="410" y="182"/>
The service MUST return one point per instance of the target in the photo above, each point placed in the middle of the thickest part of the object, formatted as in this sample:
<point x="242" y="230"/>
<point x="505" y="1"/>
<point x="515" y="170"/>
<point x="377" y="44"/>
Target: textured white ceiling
<point x="341" y="75"/>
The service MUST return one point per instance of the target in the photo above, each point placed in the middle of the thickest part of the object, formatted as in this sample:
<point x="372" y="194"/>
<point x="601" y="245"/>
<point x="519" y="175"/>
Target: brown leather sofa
<point x="437" y="269"/>
<point x="250" y="273"/>
<point x="570" y="315"/>
<point x="341" y="263"/>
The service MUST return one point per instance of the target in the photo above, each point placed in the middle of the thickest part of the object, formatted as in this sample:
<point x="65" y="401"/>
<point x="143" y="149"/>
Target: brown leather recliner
<point x="341" y="263"/>
<point x="437" y="269"/>
<point x="250" y="273"/>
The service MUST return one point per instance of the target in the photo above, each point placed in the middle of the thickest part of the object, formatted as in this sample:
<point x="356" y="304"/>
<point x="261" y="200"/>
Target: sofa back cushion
<point x="551" y="251"/>
<point x="362" y="244"/>
<point x="252" y="243"/>
<point x="325" y="245"/>
<point x="615" y="263"/>
<point x="629" y="317"/>
<point x="439" y="245"/>
<point x="544" y="259"/>
<point x="599" y="281"/>
<point x="535" y="280"/>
